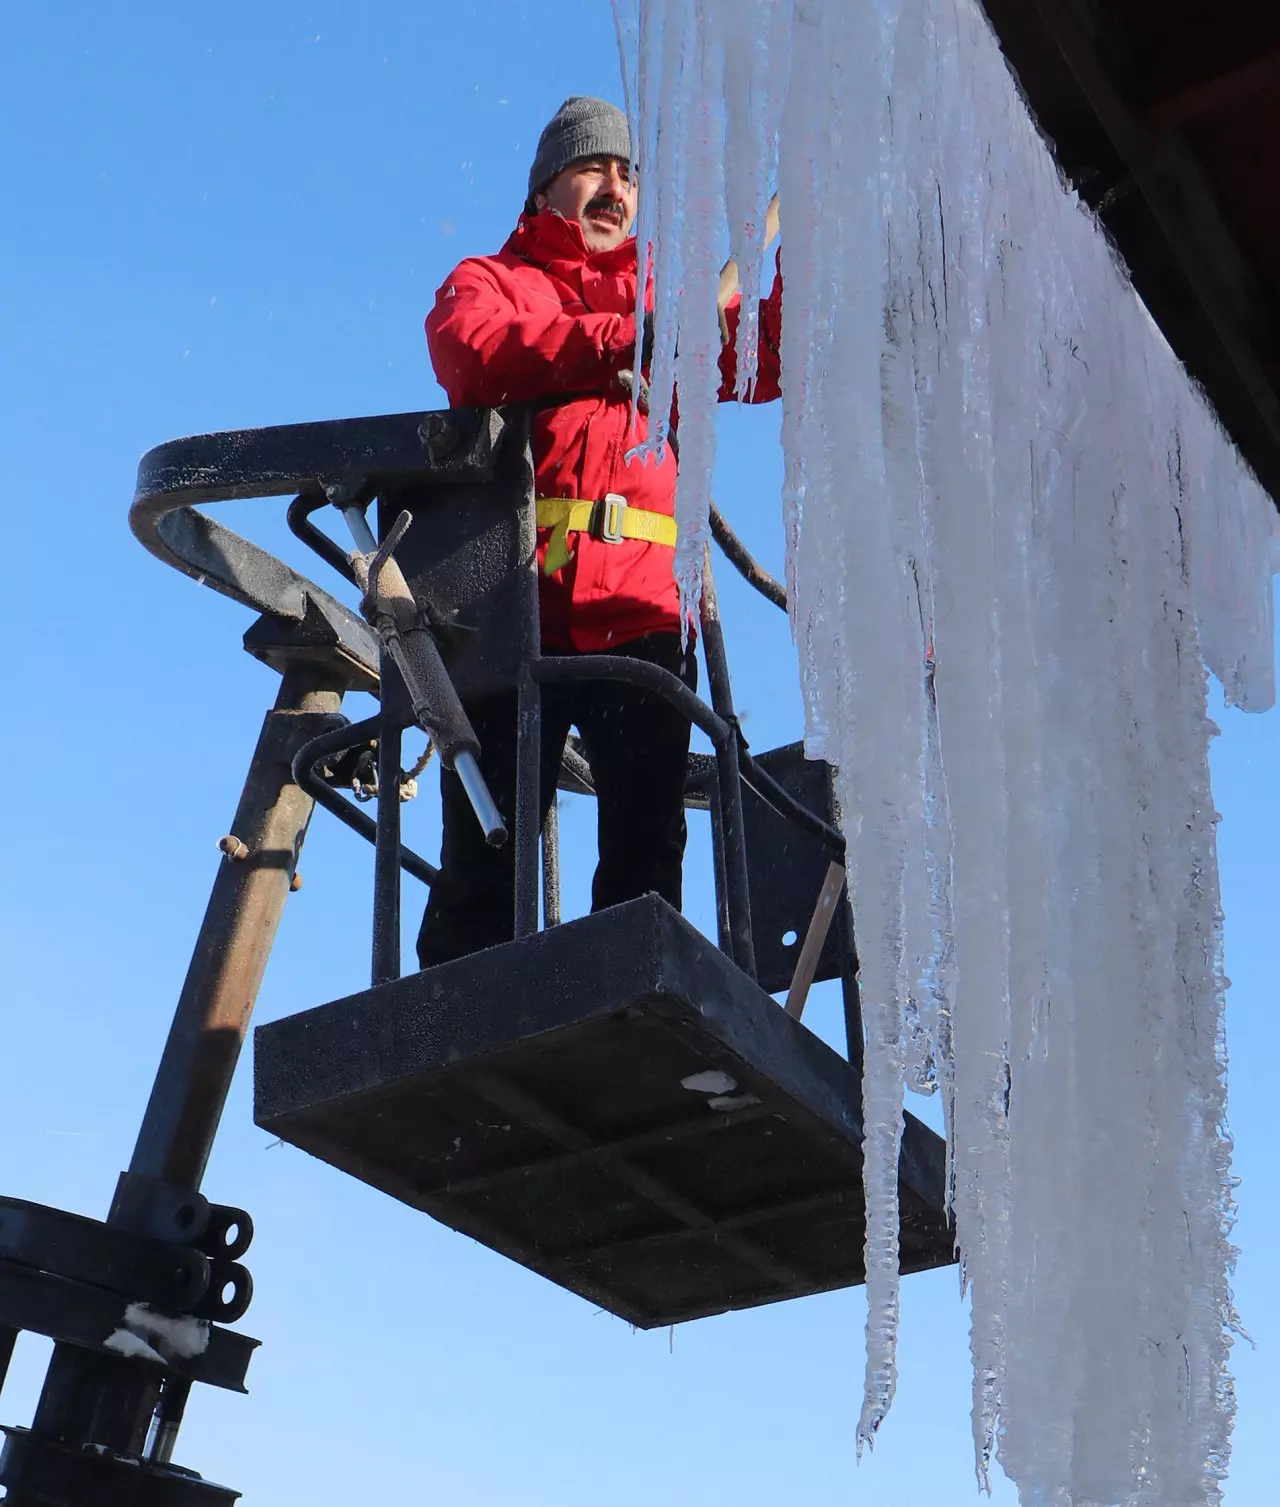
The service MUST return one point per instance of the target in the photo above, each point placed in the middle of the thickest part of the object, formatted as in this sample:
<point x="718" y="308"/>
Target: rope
<point x="409" y="781"/>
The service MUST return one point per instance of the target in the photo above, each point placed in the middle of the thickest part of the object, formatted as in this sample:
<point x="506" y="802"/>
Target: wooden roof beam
<point x="1214" y="94"/>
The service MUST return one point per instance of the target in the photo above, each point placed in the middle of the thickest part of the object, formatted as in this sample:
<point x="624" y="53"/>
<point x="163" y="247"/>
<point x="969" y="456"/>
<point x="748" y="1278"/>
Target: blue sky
<point x="221" y="216"/>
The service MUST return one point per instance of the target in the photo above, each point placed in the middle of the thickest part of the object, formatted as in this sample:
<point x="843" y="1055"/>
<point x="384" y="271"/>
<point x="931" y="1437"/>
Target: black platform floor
<point x="610" y="1103"/>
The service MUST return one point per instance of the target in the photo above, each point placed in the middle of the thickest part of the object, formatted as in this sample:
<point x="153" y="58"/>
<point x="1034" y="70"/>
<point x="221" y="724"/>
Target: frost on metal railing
<point x="1015" y="537"/>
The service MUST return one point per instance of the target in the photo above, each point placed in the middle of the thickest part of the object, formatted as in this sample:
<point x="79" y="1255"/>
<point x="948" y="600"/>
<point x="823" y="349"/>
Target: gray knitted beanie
<point x="581" y="127"/>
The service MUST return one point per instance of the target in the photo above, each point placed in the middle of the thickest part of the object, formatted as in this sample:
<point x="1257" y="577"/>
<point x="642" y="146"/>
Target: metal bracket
<point x="35" y="1468"/>
<point x="75" y="1313"/>
<point x="172" y="1278"/>
<point x="159" y="1210"/>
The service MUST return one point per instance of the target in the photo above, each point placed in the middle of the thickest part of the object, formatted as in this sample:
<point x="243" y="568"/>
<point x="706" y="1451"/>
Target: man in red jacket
<point x="554" y="313"/>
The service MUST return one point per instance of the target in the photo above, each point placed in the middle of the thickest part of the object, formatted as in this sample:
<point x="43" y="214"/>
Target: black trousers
<point x="637" y="745"/>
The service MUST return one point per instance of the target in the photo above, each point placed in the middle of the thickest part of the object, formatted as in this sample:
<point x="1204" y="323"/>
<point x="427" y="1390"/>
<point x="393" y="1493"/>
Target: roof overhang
<point x="1165" y="115"/>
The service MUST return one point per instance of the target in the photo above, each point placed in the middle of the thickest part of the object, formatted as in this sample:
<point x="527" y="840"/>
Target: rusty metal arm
<point x="235" y="941"/>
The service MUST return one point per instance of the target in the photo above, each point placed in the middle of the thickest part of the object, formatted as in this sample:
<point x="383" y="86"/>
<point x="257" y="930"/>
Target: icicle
<point x="626" y="26"/>
<point x="665" y="31"/>
<point x="757" y="59"/>
<point x="697" y="355"/>
<point x="805" y="334"/>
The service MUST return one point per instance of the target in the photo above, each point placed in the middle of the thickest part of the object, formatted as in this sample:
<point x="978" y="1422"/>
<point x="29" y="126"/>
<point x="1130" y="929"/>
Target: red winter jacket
<point x="546" y="316"/>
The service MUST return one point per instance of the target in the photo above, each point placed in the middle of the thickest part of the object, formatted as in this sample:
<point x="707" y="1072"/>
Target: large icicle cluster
<point x="1015" y="537"/>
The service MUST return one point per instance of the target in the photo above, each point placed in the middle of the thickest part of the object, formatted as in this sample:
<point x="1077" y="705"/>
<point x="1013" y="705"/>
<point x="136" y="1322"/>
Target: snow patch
<point x="181" y="1338"/>
<point x="125" y="1342"/>
<point x="726" y="1103"/>
<point x="712" y="1081"/>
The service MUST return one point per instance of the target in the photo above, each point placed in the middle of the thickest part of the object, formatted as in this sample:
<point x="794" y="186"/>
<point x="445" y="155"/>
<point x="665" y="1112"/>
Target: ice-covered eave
<point x="1186" y="215"/>
<point x="1015" y="535"/>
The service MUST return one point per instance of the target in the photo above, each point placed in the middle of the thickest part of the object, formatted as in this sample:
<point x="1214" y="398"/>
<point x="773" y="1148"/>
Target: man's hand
<point x="625" y="379"/>
<point x="729" y="272"/>
<point x="646" y="345"/>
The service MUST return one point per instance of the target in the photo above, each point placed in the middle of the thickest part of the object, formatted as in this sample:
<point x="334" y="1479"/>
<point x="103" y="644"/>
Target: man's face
<point x="598" y="193"/>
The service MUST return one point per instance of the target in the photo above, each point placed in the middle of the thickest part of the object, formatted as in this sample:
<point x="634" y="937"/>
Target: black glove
<point x="646" y="345"/>
<point x="624" y="380"/>
<point x="353" y="769"/>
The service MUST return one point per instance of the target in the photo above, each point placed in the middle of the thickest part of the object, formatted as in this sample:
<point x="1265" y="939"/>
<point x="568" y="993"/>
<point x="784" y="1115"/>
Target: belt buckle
<point x="611" y="511"/>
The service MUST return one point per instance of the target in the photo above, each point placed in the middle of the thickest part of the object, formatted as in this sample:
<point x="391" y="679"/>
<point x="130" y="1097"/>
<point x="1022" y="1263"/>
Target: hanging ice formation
<point x="1015" y="536"/>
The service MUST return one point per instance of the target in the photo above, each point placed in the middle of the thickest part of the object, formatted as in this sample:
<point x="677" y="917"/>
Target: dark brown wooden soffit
<point x="1165" y="115"/>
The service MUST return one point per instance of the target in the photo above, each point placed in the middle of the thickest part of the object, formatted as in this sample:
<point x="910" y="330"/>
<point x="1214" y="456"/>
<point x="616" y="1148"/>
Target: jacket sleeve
<point x="486" y="352"/>
<point x="768" y="363"/>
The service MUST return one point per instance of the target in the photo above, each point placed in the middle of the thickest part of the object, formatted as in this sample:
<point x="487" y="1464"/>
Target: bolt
<point x="295" y="884"/>
<point x="231" y="847"/>
<point x="438" y="436"/>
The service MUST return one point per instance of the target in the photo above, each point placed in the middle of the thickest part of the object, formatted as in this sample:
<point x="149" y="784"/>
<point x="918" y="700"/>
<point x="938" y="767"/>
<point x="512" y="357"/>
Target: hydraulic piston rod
<point x="389" y="605"/>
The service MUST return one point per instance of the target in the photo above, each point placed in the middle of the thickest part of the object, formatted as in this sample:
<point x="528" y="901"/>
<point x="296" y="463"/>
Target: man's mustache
<point x="607" y="202"/>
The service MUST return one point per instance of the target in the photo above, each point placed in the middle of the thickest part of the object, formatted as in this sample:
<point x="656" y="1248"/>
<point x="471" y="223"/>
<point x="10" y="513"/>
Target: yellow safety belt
<point x="611" y="520"/>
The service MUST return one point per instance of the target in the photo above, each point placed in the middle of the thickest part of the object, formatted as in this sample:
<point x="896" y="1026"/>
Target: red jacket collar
<point x="548" y="238"/>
